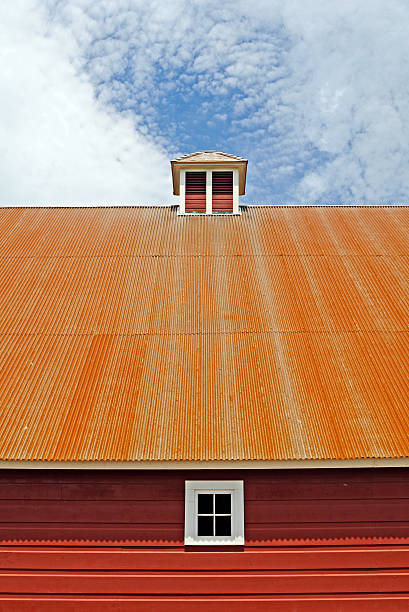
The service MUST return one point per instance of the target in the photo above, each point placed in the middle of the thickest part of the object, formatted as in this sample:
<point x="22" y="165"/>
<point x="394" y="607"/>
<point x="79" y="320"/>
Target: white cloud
<point x="314" y="93"/>
<point x="58" y="144"/>
<point x="351" y="102"/>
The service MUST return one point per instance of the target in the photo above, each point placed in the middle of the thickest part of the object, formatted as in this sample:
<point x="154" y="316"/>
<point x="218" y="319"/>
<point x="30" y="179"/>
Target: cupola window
<point x="195" y="192"/>
<point x="222" y="191"/>
<point x="209" y="182"/>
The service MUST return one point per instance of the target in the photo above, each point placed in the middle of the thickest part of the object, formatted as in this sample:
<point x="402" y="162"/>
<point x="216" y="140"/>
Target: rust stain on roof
<point x="135" y="334"/>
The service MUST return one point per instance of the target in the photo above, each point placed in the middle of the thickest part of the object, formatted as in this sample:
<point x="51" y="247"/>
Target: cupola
<point x="209" y="182"/>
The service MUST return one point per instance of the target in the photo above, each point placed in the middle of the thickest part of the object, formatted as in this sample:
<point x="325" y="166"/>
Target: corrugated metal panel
<point x="132" y="334"/>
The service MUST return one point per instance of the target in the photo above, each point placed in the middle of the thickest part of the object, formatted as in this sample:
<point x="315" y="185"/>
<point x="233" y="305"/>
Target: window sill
<point x="237" y="541"/>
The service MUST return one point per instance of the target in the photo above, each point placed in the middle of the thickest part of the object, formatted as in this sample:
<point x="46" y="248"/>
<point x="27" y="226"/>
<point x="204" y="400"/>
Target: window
<point x="222" y="192"/>
<point x="214" y="512"/>
<point x="195" y="192"/>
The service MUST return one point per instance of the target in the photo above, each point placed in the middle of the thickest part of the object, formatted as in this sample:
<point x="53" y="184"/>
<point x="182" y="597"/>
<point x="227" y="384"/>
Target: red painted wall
<point x="147" y="508"/>
<point x="315" y="540"/>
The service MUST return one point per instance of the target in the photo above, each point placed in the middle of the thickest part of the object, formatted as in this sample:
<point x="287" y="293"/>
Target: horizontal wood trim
<point x="261" y="486"/>
<point x="109" y="512"/>
<point x="330" y="511"/>
<point x="127" y="559"/>
<point x="262" y="491"/>
<point x="256" y="512"/>
<point x="200" y="583"/>
<point x="102" y="538"/>
<point x="91" y="533"/>
<point x="272" y="603"/>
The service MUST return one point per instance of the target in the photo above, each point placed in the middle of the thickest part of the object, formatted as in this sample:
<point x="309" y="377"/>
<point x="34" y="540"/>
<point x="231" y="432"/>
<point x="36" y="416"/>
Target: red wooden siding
<point x="296" y="580"/>
<point x="195" y="192"/>
<point x="222" y="191"/>
<point x="315" y="540"/>
<point x="283" y="507"/>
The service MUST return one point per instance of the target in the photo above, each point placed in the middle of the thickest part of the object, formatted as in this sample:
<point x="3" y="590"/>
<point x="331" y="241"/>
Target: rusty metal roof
<point x="135" y="334"/>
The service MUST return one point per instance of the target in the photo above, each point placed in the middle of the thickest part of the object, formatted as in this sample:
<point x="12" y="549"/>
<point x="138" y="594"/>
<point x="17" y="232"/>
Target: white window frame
<point x="192" y="489"/>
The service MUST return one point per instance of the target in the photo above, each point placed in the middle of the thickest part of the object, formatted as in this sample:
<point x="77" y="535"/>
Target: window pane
<point x="223" y="525"/>
<point x="223" y="503"/>
<point x="205" y="503"/>
<point x="205" y="525"/>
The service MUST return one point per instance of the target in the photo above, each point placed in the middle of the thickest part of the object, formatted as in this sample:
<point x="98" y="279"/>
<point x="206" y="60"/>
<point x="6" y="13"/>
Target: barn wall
<point x="147" y="508"/>
<point x="315" y="540"/>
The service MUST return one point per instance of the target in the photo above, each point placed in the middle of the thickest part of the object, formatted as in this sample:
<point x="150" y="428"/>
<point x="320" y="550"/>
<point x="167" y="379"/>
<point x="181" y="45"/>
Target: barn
<point x="205" y="406"/>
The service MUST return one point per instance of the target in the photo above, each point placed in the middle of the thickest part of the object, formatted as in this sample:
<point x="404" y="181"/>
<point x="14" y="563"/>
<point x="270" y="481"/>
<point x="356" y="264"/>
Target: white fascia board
<point x="235" y="191"/>
<point x="182" y="191"/>
<point x="206" y="465"/>
<point x="209" y="192"/>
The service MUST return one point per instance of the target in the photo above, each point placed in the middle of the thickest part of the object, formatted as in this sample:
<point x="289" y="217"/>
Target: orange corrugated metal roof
<point x="135" y="334"/>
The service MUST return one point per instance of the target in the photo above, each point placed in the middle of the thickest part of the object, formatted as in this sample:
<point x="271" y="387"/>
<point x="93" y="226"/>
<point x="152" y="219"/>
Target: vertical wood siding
<point x="195" y="192"/>
<point x="315" y="540"/>
<point x="222" y="191"/>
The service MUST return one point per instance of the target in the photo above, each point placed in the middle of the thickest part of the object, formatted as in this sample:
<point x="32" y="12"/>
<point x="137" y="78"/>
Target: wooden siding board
<point x="324" y="603"/>
<point x="318" y="558"/>
<point x="201" y="583"/>
<point x="63" y="511"/>
<point x="257" y="513"/>
<point x="256" y="491"/>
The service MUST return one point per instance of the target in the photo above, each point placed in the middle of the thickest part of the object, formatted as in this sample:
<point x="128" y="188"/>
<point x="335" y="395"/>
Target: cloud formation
<point x="58" y="144"/>
<point x="97" y="97"/>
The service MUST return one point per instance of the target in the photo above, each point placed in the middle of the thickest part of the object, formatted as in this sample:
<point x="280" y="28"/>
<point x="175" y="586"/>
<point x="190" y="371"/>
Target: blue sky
<point x="96" y="97"/>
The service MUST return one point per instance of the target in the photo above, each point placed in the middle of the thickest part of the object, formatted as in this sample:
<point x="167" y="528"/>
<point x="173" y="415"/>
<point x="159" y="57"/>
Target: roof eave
<point x="290" y="464"/>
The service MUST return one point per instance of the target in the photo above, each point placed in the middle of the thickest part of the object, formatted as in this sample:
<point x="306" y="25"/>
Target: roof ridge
<point x="166" y="206"/>
<point x="324" y="205"/>
<point x="235" y="157"/>
<point x="92" y="206"/>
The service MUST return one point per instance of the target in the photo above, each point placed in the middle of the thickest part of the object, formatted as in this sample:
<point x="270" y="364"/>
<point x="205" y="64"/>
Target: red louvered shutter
<point x="195" y="192"/>
<point x="222" y="191"/>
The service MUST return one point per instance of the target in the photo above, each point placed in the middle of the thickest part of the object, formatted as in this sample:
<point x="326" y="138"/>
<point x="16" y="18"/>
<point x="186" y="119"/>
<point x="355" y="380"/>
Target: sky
<point x="97" y="97"/>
